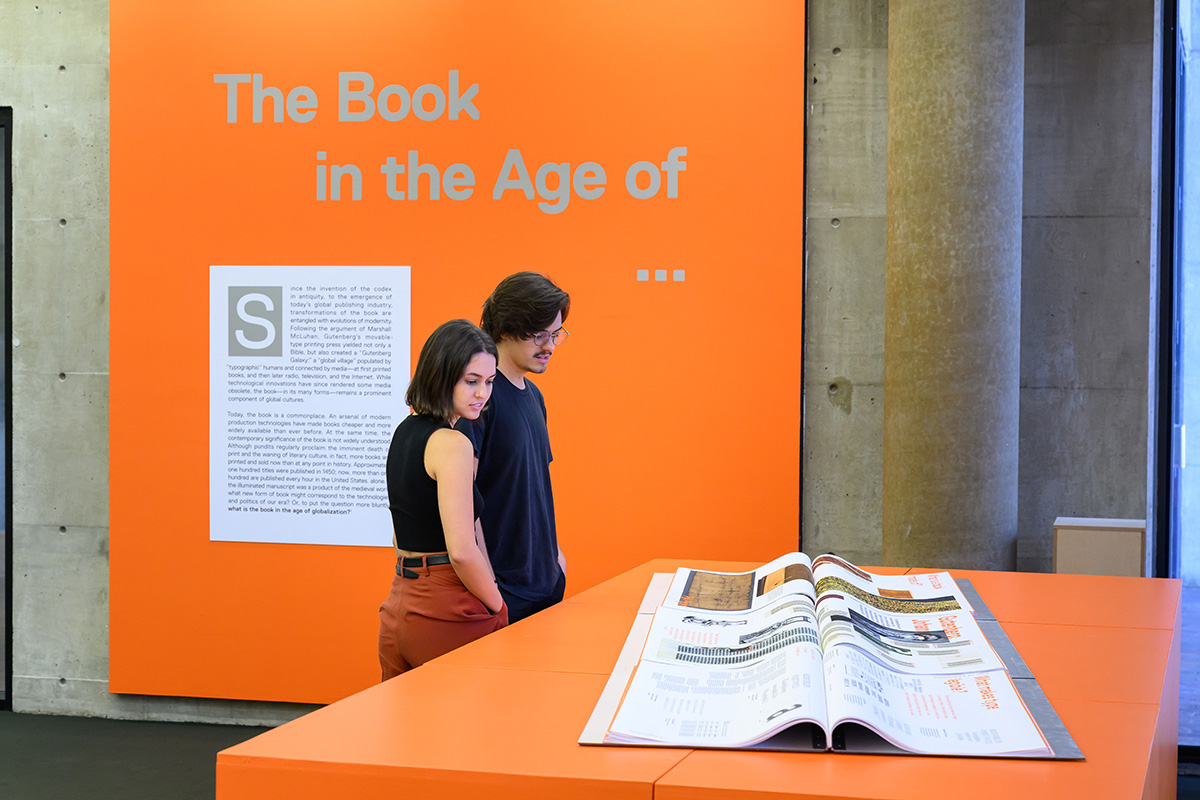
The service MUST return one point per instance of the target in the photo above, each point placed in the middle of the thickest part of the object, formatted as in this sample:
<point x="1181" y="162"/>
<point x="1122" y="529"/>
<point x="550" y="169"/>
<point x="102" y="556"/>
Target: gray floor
<point x="64" y="758"/>
<point x="75" y="757"/>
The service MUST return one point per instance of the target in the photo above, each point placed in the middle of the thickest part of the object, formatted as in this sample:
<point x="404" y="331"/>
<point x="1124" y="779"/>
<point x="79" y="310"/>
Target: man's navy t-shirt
<point x="513" y="446"/>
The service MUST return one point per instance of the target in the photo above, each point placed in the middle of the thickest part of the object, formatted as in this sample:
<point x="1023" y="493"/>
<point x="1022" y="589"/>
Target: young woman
<point x="444" y="593"/>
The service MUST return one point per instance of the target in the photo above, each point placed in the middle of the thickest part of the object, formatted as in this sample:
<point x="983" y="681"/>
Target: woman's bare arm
<point x="449" y="459"/>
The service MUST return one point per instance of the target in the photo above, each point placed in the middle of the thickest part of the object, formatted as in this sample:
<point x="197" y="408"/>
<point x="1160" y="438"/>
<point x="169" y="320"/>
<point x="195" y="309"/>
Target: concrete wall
<point x="846" y="184"/>
<point x="53" y="73"/>
<point x="1087" y="263"/>
<point x="1086" y="270"/>
<point x="1087" y="273"/>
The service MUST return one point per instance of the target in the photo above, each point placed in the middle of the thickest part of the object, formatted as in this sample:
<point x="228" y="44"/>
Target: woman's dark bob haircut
<point x="523" y="304"/>
<point x="442" y="362"/>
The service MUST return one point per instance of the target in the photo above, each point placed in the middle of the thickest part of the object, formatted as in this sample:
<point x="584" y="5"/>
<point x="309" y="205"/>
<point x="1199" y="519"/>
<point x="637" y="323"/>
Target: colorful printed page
<point x="924" y="593"/>
<point x="739" y="592"/>
<point x="919" y="624"/>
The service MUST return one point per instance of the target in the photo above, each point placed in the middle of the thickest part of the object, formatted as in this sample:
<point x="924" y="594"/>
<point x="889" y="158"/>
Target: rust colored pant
<point x="430" y="615"/>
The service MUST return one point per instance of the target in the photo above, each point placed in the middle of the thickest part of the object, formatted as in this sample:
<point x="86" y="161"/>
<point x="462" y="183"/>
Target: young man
<point x="524" y="315"/>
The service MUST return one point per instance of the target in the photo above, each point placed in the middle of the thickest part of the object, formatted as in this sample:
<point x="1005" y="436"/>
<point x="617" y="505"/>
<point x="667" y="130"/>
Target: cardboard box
<point x="1092" y="546"/>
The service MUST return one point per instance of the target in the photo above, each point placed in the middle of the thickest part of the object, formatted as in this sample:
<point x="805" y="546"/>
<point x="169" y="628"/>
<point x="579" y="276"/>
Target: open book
<point x="822" y="655"/>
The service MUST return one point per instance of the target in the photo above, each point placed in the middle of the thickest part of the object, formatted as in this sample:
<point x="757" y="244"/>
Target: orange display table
<point x="500" y="718"/>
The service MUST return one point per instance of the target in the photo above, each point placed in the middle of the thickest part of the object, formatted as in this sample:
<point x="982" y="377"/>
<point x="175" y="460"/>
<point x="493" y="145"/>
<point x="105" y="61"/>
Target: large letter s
<point x="269" y="339"/>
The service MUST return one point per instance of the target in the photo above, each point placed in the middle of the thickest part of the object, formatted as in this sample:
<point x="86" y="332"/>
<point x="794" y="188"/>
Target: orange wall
<point x="674" y="407"/>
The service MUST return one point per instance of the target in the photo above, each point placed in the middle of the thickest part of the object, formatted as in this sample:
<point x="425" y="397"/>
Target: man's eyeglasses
<point x="558" y="337"/>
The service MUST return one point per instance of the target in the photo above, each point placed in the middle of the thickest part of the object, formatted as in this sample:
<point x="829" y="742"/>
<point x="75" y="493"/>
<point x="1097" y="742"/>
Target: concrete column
<point x="845" y="165"/>
<point x="953" y="303"/>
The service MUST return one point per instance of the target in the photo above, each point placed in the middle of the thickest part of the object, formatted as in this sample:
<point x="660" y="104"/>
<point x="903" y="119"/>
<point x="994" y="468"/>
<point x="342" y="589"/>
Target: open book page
<point x="738" y="592"/>
<point x="922" y="593"/>
<point x="698" y="637"/>
<point x="971" y="714"/>
<point x="697" y="705"/>
<point x="947" y="642"/>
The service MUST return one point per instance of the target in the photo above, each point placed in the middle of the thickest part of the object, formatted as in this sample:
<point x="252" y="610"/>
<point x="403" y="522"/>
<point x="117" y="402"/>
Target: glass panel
<point x="1185" y="561"/>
